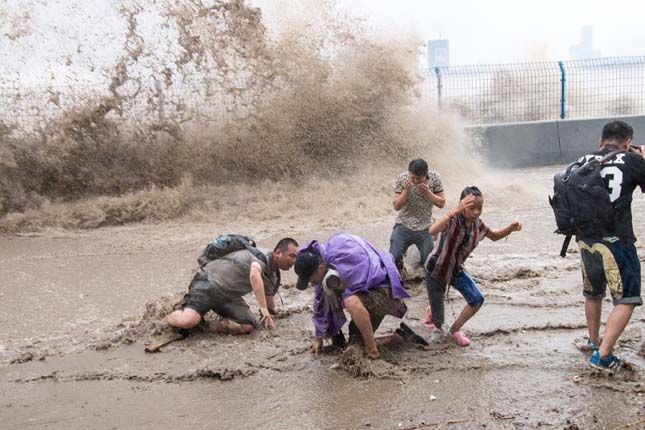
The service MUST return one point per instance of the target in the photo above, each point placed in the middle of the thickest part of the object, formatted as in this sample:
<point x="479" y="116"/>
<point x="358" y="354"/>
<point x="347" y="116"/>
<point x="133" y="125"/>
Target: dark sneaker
<point x="338" y="343"/>
<point x="339" y="340"/>
<point x="608" y="365"/>
<point x="406" y="332"/>
<point x="185" y="332"/>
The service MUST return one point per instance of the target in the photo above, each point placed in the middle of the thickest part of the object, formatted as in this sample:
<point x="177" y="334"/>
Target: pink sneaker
<point x="460" y="339"/>
<point x="427" y="320"/>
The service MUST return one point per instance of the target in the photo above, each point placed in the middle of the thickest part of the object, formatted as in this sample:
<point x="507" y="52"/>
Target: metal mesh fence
<point x="605" y="87"/>
<point x="588" y="88"/>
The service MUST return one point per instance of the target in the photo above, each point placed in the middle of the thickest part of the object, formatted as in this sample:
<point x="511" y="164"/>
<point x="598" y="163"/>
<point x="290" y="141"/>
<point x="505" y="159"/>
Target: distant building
<point x="438" y="53"/>
<point x="585" y="48"/>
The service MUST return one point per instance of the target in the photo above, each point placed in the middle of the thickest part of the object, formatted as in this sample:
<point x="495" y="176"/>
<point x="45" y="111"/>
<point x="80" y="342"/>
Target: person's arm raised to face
<point x="437" y="199"/>
<point x="401" y="198"/>
<point x="440" y="224"/>
<point x="257" y="285"/>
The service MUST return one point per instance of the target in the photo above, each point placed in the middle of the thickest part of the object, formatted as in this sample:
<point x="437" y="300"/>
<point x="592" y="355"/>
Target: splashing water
<point x="196" y="95"/>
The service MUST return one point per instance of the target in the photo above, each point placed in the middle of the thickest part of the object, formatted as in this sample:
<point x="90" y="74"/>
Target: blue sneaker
<point x="609" y="365"/>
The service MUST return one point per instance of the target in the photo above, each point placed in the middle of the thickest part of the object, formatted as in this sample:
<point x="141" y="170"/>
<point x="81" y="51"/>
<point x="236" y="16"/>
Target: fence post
<point x="437" y="72"/>
<point x="563" y="80"/>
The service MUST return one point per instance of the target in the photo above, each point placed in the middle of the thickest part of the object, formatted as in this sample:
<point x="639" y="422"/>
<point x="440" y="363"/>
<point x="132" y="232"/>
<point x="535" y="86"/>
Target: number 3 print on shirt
<point x="615" y="181"/>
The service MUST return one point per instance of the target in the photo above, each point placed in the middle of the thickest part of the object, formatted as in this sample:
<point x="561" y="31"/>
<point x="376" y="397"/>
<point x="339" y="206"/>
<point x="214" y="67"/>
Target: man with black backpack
<point x="606" y="236"/>
<point x="231" y="267"/>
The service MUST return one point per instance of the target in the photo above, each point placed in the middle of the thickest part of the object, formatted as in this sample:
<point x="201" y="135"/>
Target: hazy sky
<point x="480" y="31"/>
<point x="491" y="31"/>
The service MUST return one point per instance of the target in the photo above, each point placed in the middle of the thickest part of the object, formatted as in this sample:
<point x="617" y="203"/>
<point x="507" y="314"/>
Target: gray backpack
<point x="220" y="247"/>
<point x="225" y="244"/>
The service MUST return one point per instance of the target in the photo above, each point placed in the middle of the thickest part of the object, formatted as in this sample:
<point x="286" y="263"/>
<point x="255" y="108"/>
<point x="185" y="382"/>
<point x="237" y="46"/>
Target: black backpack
<point x="581" y="202"/>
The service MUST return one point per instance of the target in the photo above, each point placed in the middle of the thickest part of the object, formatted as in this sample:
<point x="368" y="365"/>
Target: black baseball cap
<point x="305" y="266"/>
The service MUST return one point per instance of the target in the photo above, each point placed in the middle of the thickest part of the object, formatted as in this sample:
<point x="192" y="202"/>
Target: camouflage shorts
<point x="379" y="303"/>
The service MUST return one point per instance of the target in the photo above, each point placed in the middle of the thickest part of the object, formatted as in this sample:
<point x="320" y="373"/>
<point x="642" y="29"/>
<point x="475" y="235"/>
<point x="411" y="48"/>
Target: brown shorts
<point x="378" y="302"/>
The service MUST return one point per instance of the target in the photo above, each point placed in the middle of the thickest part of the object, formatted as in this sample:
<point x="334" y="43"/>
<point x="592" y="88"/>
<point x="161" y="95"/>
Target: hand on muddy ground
<point x="315" y="346"/>
<point x="267" y="321"/>
<point x="516" y="226"/>
<point x="372" y="352"/>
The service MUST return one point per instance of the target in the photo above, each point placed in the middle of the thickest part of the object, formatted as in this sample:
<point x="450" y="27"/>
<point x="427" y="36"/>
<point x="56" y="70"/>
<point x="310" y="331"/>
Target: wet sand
<point x="78" y="307"/>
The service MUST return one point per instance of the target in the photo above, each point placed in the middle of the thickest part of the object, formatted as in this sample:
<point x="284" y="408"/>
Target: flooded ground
<point x="77" y="309"/>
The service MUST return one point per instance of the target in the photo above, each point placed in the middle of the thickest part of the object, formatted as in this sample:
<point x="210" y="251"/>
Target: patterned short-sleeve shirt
<point x="455" y="244"/>
<point x="416" y="213"/>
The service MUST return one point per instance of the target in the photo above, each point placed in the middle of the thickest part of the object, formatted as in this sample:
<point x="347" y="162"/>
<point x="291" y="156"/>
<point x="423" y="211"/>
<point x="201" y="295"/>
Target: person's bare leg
<point x="361" y="318"/>
<point x="593" y="311"/>
<point x="616" y="323"/>
<point x="466" y="313"/>
<point x="185" y="318"/>
<point x="226" y="326"/>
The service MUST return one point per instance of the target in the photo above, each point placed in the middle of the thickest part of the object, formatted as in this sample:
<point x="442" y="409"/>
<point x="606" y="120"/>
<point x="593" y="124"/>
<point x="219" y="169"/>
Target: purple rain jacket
<point x="361" y="267"/>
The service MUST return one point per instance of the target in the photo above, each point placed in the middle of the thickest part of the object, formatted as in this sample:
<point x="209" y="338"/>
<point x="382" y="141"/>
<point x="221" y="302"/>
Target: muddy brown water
<point x="77" y="308"/>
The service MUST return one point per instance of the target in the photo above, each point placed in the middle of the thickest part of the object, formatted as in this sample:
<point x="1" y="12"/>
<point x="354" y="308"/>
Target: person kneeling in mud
<point x="349" y="273"/>
<point x="226" y="281"/>
<point x="461" y="231"/>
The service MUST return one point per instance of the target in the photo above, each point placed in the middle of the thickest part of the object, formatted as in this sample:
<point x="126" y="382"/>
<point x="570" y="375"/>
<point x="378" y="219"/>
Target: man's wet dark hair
<point x="419" y="167"/>
<point x="471" y="190"/>
<point x="619" y="131"/>
<point x="284" y="243"/>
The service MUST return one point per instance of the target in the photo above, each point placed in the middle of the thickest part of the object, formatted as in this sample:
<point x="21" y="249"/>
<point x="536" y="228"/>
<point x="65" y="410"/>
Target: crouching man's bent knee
<point x="193" y="305"/>
<point x="185" y="318"/>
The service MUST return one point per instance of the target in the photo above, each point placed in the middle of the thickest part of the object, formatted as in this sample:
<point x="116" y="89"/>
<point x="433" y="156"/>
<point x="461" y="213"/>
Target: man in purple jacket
<point x="349" y="273"/>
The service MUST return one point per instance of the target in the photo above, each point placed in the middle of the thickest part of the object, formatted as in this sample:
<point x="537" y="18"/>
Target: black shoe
<point x="339" y="340"/>
<point x="338" y="343"/>
<point x="406" y="332"/>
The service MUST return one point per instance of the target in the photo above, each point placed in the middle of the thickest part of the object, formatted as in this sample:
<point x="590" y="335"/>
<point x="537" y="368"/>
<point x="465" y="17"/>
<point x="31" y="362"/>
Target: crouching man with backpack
<point x="607" y="251"/>
<point x="226" y="277"/>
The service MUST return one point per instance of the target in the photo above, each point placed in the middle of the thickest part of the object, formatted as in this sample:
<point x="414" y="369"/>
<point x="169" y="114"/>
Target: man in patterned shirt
<point x="415" y="193"/>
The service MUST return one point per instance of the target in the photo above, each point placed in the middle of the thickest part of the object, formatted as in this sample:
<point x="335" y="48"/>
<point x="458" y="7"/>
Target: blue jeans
<point x="402" y="238"/>
<point x="462" y="283"/>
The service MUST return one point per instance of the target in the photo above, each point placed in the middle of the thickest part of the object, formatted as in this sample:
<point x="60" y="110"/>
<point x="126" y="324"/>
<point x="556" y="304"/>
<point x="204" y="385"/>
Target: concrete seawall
<point x="543" y="143"/>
